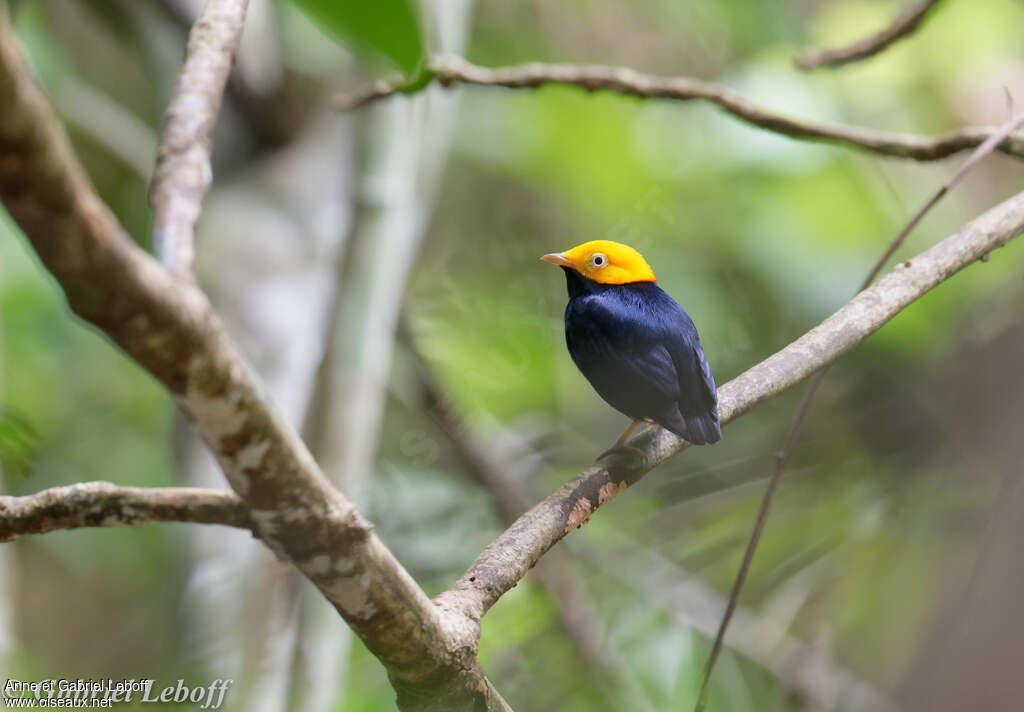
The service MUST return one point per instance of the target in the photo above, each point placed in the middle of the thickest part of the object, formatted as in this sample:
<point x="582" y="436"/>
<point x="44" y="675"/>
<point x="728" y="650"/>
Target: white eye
<point x="598" y="260"/>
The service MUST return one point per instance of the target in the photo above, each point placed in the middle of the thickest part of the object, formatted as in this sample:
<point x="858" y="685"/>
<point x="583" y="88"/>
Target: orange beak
<point x="556" y="258"/>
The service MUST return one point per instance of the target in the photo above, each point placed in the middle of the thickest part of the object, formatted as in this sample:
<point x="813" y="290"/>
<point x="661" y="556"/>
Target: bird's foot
<point x="617" y="448"/>
<point x="620" y="446"/>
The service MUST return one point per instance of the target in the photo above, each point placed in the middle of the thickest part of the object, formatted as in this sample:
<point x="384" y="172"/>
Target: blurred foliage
<point x="388" y="29"/>
<point x="19" y="443"/>
<point x="894" y="485"/>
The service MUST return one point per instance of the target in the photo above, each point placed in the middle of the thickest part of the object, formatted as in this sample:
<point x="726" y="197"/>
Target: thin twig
<point x="754" y="634"/>
<point x="755" y="537"/>
<point x="449" y="70"/>
<point x="183" y="173"/>
<point x="103" y="504"/>
<point x="979" y="153"/>
<point x="903" y="25"/>
<point x="794" y="429"/>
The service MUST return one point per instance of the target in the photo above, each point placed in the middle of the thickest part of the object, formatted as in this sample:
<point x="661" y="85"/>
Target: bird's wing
<point x="696" y="384"/>
<point x="696" y="416"/>
<point x="647" y="365"/>
<point x="622" y="358"/>
<point x="614" y="362"/>
<point x="706" y="385"/>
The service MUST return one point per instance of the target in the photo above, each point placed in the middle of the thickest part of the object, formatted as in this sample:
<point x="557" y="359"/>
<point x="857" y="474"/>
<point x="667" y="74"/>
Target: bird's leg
<point x="620" y="445"/>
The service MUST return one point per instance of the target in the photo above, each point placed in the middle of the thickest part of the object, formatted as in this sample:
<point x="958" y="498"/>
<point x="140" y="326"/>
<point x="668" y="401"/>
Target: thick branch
<point x="103" y="504"/>
<point x="508" y="558"/>
<point x="183" y="173"/>
<point x="168" y="327"/>
<point x="454" y="70"/>
<point x="904" y="24"/>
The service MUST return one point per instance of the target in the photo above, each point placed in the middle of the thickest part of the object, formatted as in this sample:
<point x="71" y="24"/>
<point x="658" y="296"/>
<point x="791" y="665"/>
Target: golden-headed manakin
<point x="634" y="343"/>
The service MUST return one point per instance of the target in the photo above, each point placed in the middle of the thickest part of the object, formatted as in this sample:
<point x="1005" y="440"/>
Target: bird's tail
<point x="702" y="429"/>
<point x="697" y="428"/>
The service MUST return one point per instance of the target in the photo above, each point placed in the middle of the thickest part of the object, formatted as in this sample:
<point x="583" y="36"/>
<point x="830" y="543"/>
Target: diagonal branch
<point x="903" y="25"/>
<point x="450" y="70"/>
<point x="696" y="605"/>
<point x="782" y="456"/>
<point x="555" y="574"/>
<point x="168" y="327"/>
<point x="183" y="173"/>
<point x="103" y="504"/>
<point x="508" y="558"/>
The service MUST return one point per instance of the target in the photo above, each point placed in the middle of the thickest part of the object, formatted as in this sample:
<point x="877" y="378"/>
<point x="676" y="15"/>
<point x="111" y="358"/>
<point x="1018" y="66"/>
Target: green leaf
<point x="387" y="29"/>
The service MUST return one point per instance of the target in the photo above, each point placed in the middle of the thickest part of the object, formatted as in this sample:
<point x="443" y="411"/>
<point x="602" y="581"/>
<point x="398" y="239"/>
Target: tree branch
<point x="103" y="504"/>
<point x="555" y="574"/>
<point x="694" y="604"/>
<point x="275" y="111"/>
<point x="508" y="558"/>
<point x="903" y="25"/>
<point x="183" y="173"/>
<point x="450" y="70"/>
<point x="167" y="326"/>
<point x="794" y="429"/>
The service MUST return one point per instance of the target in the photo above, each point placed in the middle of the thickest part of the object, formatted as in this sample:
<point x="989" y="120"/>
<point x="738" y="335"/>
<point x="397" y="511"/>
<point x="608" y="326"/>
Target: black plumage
<point x="640" y="351"/>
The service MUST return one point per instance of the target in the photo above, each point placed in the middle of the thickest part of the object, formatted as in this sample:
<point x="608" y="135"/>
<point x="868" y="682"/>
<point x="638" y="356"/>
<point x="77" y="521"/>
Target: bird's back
<point x="641" y="352"/>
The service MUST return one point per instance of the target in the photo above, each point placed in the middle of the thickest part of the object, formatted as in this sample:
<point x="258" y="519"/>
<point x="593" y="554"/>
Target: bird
<point x="635" y="345"/>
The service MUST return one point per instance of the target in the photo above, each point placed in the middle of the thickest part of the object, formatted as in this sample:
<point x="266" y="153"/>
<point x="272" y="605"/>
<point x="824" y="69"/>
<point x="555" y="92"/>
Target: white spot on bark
<point x="352" y="595"/>
<point x="250" y="457"/>
<point x="344" y="565"/>
<point x="298" y="514"/>
<point x="266" y="522"/>
<point x="319" y="565"/>
<point x="218" y="417"/>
